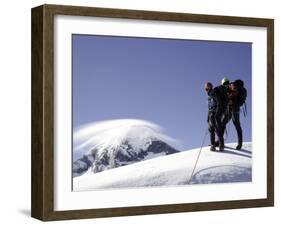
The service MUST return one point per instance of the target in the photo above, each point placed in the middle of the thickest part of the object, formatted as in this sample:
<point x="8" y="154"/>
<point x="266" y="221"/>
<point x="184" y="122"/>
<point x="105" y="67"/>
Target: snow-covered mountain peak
<point x="112" y="134"/>
<point x="111" y="144"/>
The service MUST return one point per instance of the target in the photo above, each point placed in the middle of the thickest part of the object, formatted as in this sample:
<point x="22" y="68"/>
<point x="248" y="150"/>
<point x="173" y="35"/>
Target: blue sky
<point x="159" y="80"/>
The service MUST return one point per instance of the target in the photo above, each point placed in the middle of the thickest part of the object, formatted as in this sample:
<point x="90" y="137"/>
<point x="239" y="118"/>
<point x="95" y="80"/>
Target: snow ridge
<point x="228" y="166"/>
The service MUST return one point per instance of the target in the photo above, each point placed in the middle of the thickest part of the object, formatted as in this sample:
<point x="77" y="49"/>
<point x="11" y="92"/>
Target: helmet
<point x="208" y="86"/>
<point x="224" y="80"/>
<point x="239" y="83"/>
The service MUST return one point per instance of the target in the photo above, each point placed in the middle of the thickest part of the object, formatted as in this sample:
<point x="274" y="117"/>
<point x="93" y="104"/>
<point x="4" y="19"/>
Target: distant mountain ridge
<point x="124" y="155"/>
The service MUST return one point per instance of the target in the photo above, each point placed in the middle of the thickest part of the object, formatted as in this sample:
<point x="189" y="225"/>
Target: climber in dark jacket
<point x="214" y="117"/>
<point x="222" y="91"/>
<point x="236" y="98"/>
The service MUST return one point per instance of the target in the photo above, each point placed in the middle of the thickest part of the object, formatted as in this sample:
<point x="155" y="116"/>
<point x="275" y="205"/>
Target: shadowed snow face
<point x="112" y="134"/>
<point x="175" y="170"/>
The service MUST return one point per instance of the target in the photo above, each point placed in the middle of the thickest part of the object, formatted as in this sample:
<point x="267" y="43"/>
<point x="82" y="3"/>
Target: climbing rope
<point x="199" y="153"/>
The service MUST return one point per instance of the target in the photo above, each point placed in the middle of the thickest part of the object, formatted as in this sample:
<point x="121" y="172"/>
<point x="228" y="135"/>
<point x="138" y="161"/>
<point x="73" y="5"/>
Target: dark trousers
<point x="235" y="117"/>
<point x="215" y="127"/>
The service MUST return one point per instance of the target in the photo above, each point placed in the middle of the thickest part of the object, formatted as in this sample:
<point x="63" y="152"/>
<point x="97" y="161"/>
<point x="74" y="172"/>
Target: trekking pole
<point x="199" y="153"/>
<point x="244" y="109"/>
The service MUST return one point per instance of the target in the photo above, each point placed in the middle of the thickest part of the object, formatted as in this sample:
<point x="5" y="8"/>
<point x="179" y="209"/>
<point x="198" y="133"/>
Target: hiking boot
<point x="240" y="142"/>
<point x="221" y="144"/>
<point x="221" y="148"/>
<point x="239" y="146"/>
<point x="212" y="148"/>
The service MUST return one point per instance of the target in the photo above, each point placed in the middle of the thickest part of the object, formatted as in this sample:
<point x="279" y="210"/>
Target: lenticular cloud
<point x="112" y="133"/>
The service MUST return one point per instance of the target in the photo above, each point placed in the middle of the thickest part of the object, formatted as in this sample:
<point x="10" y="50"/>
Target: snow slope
<point x="175" y="169"/>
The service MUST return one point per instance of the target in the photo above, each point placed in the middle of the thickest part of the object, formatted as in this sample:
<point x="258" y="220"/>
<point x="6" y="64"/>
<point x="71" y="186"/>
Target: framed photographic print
<point x="142" y="112"/>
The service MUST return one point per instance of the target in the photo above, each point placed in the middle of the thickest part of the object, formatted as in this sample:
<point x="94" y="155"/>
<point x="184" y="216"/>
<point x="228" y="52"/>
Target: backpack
<point x="242" y="92"/>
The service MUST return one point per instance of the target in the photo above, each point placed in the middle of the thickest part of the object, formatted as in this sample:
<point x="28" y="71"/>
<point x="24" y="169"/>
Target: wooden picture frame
<point x="43" y="111"/>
